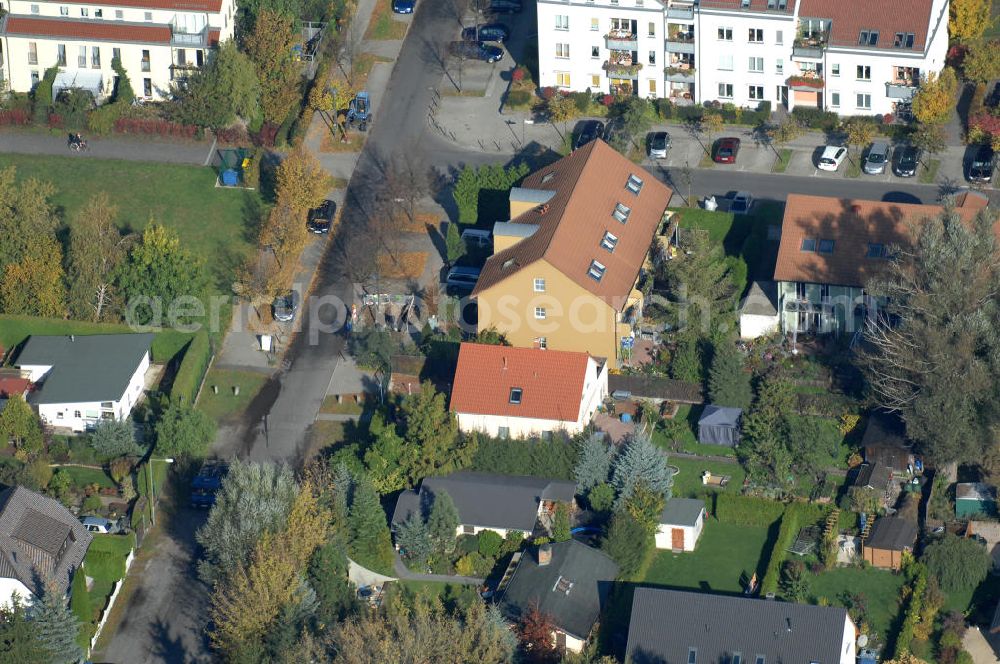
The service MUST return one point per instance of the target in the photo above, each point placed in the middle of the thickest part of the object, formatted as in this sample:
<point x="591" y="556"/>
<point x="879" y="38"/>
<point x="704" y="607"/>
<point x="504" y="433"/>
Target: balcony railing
<point x="621" y="40"/>
<point x="622" y="69"/>
<point x="900" y="89"/>
<point x="811" y="46"/>
<point x="679" y="74"/>
<point x="806" y="83"/>
<point x="684" y="12"/>
<point x="178" y="37"/>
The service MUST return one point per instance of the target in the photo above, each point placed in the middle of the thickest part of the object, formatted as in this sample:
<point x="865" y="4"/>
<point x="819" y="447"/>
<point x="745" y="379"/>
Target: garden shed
<point x="681" y="523"/>
<point x="972" y="498"/>
<point x="759" y="310"/>
<point x="720" y="425"/>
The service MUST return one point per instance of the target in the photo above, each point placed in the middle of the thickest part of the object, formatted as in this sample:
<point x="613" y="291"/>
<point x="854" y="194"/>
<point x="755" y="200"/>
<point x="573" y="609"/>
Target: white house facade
<point x="158" y="42"/>
<point x="847" y="57"/>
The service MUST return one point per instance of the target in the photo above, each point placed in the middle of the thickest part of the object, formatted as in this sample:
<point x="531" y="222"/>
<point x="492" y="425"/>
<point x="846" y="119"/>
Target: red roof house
<point x="523" y="392"/>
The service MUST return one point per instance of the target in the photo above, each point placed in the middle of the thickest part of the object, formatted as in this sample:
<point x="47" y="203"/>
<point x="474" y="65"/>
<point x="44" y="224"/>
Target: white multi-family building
<point x="157" y="41"/>
<point x="849" y="56"/>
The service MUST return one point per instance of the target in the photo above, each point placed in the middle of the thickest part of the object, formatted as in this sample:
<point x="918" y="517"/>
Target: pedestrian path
<point x="404" y="573"/>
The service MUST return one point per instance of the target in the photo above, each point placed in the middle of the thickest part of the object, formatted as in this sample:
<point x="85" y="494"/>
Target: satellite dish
<point x="862" y="640"/>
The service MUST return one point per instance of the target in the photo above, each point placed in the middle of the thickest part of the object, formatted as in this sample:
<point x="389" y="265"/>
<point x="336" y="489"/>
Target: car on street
<point x="462" y="279"/>
<point x="831" y="159"/>
<point x="97" y="524"/>
<point x="488" y="32"/>
<point x="726" y="150"/>
<point x="589" y="130"/>
<point x="878" y="157"/>
<point x="983" y="163"/>
<point x="475" y="50"/>
<point x="403" y="6"/>
<point x="504" y="7"/>
<point x="207" y="482"/>
<point x="907" y="161"/>
<point x="285" y="306"/>
<point x="741" y="203"/>
<point x="659" y="145"/>
<point x="321" y="218"/>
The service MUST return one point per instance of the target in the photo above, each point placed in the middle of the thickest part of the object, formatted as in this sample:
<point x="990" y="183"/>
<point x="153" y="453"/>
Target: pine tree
<point x="641" y="461"/>
<point x="366" y="517"/>
<point x="328" y="577"/>
<point x="443" y="522"/>
<point x="19" y="635"/>
<point x="454" y="244"/>
<point x="593" y="462"/>
<point x="414" y="540"/>
<point x="728" y="383"/>
<point x="57" y="626"/>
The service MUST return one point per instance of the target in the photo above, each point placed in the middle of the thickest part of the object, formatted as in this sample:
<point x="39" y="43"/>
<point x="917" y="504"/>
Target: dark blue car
<point x="488" y="32"/>
<point x="403" y="6"/>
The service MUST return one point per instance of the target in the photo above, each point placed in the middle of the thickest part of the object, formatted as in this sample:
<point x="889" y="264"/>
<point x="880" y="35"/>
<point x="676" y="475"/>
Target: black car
<point x="475" y="51"/>
<point x="321" y="218"/>
<point x="488" y="32"/>
<point x="590" y="130"/>
<point x="907" y="161"/>
<point x="981" y="168"/>
<point x="285" y="306"/>
<point x="505" y="7"/>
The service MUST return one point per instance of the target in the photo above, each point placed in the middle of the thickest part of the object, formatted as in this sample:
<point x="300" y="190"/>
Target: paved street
<point x="109" y="147"/>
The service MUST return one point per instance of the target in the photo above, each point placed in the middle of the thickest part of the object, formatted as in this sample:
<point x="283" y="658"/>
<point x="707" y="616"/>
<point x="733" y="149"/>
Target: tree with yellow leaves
<point x="302" y="181"/>
<point x="35" y="286"/>
<point x="269" y="46"/>
<point x="286" y="235"/>
<point x="969" y="20"/>
<point x="711" y="124"/>
<point x="935" y="99"/>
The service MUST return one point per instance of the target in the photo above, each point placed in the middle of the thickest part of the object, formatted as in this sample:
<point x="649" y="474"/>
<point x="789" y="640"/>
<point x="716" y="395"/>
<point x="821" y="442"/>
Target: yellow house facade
<point x="564" y="270"/>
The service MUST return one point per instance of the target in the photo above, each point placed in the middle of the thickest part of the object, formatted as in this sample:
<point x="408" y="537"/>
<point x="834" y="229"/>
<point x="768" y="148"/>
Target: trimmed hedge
<point x="747" y="510"/>
<point x="154" y="127"/>
<point x="795" y="517"/>
<point x="193" y="366"/>
<point x="815" y="118"/>
<point x="553" y="458"/>
<point x="913" y="609"/>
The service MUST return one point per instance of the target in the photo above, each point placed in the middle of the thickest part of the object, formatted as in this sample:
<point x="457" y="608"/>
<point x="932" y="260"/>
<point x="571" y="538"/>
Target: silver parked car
<point x="878" y="157"/>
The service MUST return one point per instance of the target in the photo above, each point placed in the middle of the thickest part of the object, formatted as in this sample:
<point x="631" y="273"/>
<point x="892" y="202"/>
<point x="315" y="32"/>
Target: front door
<point x="677" y="539"/>
<point x="783" y="96"/>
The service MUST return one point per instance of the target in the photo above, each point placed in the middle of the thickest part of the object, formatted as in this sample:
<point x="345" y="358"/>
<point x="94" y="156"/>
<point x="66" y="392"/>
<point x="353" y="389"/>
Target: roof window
<point x="634" y="184"/>
<point x="621" y="212"/>
<point x="510" y="262"/>
<point x="876" y="250"/>
<point x="548" y="177"/>
<point x="759" y="659"/>
<point x="826" y="246"/>
<point x="903" y="40"/>
<point x="515" y="395"/>
<point x="808" y="244"/>
<point x="745" y="4"/>
<point x="609" y="241"/>
<point x="596" y="271"/>
<point x="868" y="38"/>
<point x="737" y="658"/>
<point x="692" y="656"/>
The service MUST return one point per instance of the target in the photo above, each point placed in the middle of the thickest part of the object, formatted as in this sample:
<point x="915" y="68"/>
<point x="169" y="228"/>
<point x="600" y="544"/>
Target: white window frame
<point x="756" y="92"/>
<point x="726" y="90"/>
<point x="779" y="37"/>
<point x="540" y="313"/>
<point x="562" y="22"/>
<point x="726" y="62"/>
<point x="595" y="25"/>
<point x="755" y="64"/>
<point x="562" y="79"/>
<point x="863" y="72"/>
<point x="755" y="32"/>
<point x="539" y="284"/>
<point x="725" y="34"/>
<point x="863" y="101"/>
<point x="562" y="51"/>
<point x="834" y="99"/>
<point x="835" y="69"/>
<point x="779" y="66"/>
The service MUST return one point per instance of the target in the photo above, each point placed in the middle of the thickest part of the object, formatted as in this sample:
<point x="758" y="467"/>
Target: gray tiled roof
<point x="571" y="589"/>
<point x="487" y="500"/>
<point x="892" y="533"/>
<point x="39" y="539"/>
<point x="667" y="624"/>
<point x="682" y="511"/>
<point x="85" y="367"/>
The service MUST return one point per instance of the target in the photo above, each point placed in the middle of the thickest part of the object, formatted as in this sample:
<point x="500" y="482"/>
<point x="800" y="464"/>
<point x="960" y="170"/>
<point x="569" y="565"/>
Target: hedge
<point x="155" y="127"/>
<point x="913" y="609"/>
<point x="816" y="118"/>
<point x="747" y="510"/>
<point x="193" y="366"/>
<point x="795" y="517"/>
<point x="15" y="116"/>
<point x="825" y="404"/>
<point x="553" y="458"/>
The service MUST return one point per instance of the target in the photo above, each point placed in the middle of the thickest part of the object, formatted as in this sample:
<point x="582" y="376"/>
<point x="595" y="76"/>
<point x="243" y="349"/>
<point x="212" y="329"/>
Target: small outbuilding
<point x="681" y="524"/>
<point x="720" y="425"/>
<point x="892" y="535"/>
<point x="975" y="498"/>
<point x="759" y="311"/>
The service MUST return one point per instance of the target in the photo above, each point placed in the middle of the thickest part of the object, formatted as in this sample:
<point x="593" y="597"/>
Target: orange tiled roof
<point x="97" y="30"/>
<point x="551" y="382"/>
<point x="179" y="5"/>
<point x="849" y="17"/>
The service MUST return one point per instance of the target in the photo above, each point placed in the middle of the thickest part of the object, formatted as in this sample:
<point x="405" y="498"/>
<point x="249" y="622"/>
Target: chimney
<point x="544" y="555"/>
<point x="788" y="621"/>
<point x="505" y="363"/>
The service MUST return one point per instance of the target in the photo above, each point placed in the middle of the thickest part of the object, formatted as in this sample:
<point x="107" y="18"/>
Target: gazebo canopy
<point x="720" y="425"/>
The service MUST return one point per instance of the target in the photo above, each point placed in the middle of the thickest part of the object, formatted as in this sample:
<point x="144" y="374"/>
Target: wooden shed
<point x="892" y="535"/>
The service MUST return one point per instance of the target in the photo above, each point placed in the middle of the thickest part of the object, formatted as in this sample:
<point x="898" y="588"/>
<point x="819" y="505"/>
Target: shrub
<point x="114" y="438"/>
<point x="489" y="543"/>
<point x="154" y="127"/>
<point x="664" y="108"/>
<point x="102" y="119"/>
<point x="796" y="516"/>
<point x="470" y="564"/>
<point x="977" y="105"/>
<point x="15" y="116"/>
<point x="548" y="92"/>
<point x="266" y="136"/>
<point x="511" y="543"/>
<point x="601" y="497"/>
<point x="690" y="113"/>
<point x="92" y="504"/>
<point x="235" y="135"/>
<point x="43" y="95"/>
<point x="119" y="468"/>
<point x="194" y="364"/>
<point x="913" y="609"/>
<point x="519" y="73"/>
<point x="816" y="118"/>
<point x="60" y="483"/>
<point x="518" y="98"/>
<point x="36" y="475"/>
<point x="747" y="510"/>
<point x="581" y="100"/>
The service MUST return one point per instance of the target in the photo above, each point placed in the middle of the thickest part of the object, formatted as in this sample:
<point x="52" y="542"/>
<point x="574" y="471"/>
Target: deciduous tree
<point x="982" y="64"/>
<point x="269" y="46"/>
<point x="728" y="382"/>
<point x="226" y="88"/>
<point x="535" y="631"/>
<point x="628" y="543"/>
<point x="35" y="284"/>
<point x="969" y="20"/>
<point x="388" y="458"/>
<point x="935" y="98"/>
<point x="860" y="132"/>
<point x="184" y="431"/>
<point x="114" y="438"/>
<point x="959" y="563"/>
<point x="26" y="213"/>
<point x="20" y="426"/>
<point x="96" y="249"/>
<point x="711" y="125"/>
<point x="302" y="182"/>
<point x="930" y="138"/>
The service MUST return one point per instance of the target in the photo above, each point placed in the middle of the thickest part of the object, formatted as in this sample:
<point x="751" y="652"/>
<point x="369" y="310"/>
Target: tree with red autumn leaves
<point x="535" y="633"/>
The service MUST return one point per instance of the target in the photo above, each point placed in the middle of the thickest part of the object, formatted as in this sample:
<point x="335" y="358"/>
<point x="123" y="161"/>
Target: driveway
<point x="111" y="147"/>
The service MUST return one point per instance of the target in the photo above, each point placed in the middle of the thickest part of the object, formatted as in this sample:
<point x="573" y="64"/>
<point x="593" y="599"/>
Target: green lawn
<point x="84" y="476"/>
<point x="217" y="224"/>
<point x="781" y="163"/>
<point x="688" y="440"/>
<point x="880" y="587"/>
<point x="687" y="482"/>
<point x="225" y="406"/>
<point x="742" y="236"/>
<point x="928" y="174"/>
<point x="727" y="555"/>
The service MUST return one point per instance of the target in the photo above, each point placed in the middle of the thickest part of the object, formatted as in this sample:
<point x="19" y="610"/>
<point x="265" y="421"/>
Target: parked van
<point x="475" y="237"/>
<point x="462" y="278"/>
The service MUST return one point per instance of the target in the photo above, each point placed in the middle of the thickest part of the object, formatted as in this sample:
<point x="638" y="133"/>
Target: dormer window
<point x="634" y="184"/>
<point x="826" y="246"/>
<point x="868" y="38"/>
<point x="876" y="250"/>
<point x="609" y="241"/>
<point x="808" y="244"/>
<point x="508" y="263"/>
<point x="621" y="212"/>
<point x="515" y="395"/>
<point x="597" y="270"/>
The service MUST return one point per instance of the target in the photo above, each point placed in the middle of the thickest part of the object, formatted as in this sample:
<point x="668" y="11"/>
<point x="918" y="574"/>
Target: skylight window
<point x="868" y="38"/>
<point x="515" y="395"/>
<point x="876" y="250"/>
<point x="621" y="212"/>
<point x="609" y="241"/>
<point x="597" y="270"/>
<point x="808" y="244"/>
<point x="548" y="177"/>
<point x="903" y="40"/>
<point x="826" y="246"/>
<point x="692" y="656"/>
<point x="634" y="184"/>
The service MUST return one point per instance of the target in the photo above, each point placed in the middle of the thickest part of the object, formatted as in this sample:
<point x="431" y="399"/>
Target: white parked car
<point x="831" y="159"/>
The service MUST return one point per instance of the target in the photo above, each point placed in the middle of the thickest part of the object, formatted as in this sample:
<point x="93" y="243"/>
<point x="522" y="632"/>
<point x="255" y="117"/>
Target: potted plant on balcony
<point x="813" y="82"/>
<point x="674" y="70"/>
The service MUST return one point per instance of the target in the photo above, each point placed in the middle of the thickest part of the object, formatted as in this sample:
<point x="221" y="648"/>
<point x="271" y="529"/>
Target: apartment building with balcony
<point x="157" y="41"/>
<point x="849" y="56"/>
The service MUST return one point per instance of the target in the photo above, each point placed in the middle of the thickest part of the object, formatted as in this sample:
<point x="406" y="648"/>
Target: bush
<point x="482" y="193"/>
<point x="43" y="95"/>
<point x="511" y="543"/>
<point x="472" y="564"/>
<point x="518" y="97"/>
<point x="913" y="609"/>
<point x="581" y="100"/>
<point x="664" y="108"/>
<point x="554" y="458"/>
<point x="689" y="113"/>
<point x="815" y="118"/>
<point x="155" y="127"/>
<point x="36" y="475"/>
<point x="114" y="438"/>
<point x="119" y="468"/>
<point x="490" y="543"/>
<point x="102" y="119"/>
<point x="92" y="504"/>
<point x="825" y="404"/>
<point x="519" y="74"/>
<point x="235" y="135"/>
<point x="194" y="364"/>
<point x="747" y="510"/>
<point x="15" y="117"/>
<point x="977" y="105"/>
<point x="630" y="545"/>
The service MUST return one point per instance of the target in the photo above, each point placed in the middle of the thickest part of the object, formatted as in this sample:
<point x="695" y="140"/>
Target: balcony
<point x="680" y="42"/>
<point x="810" y="48"/>
<point x="679" y="74"/>
<point x="180" y="37"/>
<point x="900" y="89"/>
<point x="622" y="69"/>
<point x="683" y="12"/>
<point x="805" y="83"/>
<point x="621" y="40"/>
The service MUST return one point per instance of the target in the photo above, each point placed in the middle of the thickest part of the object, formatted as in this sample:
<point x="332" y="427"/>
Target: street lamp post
<point x="152" y="495"/>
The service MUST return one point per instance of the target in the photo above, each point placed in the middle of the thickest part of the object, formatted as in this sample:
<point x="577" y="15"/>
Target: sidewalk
<point x="109" y="147"/>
